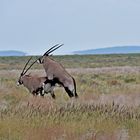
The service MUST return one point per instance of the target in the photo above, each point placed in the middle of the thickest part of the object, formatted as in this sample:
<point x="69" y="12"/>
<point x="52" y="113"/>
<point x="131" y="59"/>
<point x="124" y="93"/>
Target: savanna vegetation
<point x="108" y="107"/>
<point x="77" y="61"/>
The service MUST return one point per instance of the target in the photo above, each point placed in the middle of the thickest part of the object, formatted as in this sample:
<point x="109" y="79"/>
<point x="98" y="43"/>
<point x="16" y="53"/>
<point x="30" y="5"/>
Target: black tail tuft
<point x="75" y="93"/>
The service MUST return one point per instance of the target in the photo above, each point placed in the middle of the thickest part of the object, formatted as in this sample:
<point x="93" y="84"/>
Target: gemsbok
<point x="56" y="72"/>
<point x="36" y="85"/>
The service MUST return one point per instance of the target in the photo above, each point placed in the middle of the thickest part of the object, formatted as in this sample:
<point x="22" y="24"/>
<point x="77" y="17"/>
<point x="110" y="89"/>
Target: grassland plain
<point x="108" y="107"/>
<point x="77" y="61"/>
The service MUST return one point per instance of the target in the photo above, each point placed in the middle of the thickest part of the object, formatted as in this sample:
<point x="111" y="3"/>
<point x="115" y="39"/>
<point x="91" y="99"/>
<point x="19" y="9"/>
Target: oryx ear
<point x="51" y="55"/>
<point x="40" y="61"/>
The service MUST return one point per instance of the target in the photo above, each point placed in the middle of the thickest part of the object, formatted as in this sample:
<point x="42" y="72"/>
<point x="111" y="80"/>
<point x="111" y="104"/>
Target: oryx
<point x="56" y="72"/>
<point x="36" y="85"/>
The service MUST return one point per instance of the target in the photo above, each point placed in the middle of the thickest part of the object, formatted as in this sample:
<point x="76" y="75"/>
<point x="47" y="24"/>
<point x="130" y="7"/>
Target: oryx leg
<point x="39" y="91"/>
<point x="34" y="93"/>
<point x="70" y="93"/>
<point x="52" y="94"/>
<point x="42" y="92"/>
<point x="49" y="88"/>
<point x="70" y="88"/>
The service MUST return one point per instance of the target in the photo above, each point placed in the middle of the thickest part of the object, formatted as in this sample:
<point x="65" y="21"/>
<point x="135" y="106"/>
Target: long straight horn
<point x="55" y="48"/>
<point x="26" y="65"/>
<point x="30" y="66"/>
<point x="48" y="52"/>
<point x="50" y="49"/>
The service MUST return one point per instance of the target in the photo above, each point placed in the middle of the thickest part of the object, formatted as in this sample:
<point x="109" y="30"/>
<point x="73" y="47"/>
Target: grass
<point x="77" y="61"/>
<point x="71" y="120"/>
<point x="108" y="107"/>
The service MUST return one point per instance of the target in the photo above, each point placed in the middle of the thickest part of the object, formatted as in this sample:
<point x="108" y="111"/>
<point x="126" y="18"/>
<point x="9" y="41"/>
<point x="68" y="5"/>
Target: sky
<point x="33" y="26"/>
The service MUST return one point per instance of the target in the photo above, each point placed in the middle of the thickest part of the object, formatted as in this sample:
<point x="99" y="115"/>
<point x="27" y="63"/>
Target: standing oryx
<point x="36" y="85"/>
<point x="56" y="72"/>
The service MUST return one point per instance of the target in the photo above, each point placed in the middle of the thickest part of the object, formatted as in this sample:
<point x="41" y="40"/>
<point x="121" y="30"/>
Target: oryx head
<point x="20" y="80"/>
<point x="41" y="59"/>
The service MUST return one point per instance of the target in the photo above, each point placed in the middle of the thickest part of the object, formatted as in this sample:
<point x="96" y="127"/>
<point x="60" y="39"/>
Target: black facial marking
<point x="20" y="82"/>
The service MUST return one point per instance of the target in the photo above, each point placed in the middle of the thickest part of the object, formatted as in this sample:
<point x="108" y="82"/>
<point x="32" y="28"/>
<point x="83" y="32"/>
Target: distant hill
<point x="12" y="53"/>
<point x="111" y="50"/>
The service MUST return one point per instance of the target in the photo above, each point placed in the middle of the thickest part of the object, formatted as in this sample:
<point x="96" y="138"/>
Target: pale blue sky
<point x="33" y="26"/>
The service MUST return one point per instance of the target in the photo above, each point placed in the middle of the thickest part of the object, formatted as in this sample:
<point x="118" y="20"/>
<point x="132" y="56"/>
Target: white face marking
<point x="18" y="83"/>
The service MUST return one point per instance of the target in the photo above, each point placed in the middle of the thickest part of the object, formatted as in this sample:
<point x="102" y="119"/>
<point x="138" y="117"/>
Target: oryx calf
<point x="36" y="85"/>
<point x="56" y="72"/>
